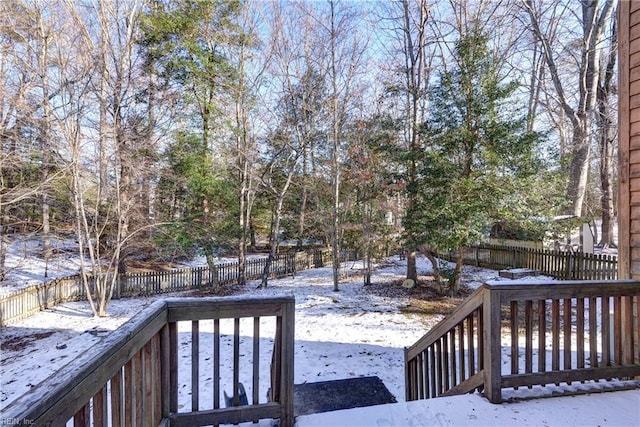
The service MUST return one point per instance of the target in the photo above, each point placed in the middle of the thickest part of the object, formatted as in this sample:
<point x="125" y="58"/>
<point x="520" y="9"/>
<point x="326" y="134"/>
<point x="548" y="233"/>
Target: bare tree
<point x="286" y="143"/>
<point x="29" y="26"/>
<point x="410" y="59"/>
<point x="347" y="48"/>
<point x="251" y="65"/>
<point x="605" y="121"/>
<point x="104" y="198"/>
<point x="594" y="19"/>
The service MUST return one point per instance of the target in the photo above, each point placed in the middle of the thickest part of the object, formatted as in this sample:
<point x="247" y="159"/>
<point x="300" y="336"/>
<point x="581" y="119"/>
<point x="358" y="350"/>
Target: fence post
<point x="492" y="345"/>
<point x="569" y="266"/>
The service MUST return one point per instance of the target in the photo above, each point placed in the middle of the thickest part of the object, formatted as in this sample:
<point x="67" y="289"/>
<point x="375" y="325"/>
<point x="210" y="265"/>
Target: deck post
<point x="286" y="364"/>
<point x="492" y="345"/>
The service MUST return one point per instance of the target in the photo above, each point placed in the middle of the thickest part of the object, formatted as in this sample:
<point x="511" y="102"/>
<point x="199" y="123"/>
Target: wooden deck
<point x="132" y="379"/>
<point x="618" y="408"/>
<point x="554" y="332"/>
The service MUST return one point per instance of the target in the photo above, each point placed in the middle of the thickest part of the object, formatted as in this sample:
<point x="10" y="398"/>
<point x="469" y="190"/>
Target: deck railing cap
<point x="515" y="284"/>
<point x="288" y="297"/>
<point x="31" y="405"/>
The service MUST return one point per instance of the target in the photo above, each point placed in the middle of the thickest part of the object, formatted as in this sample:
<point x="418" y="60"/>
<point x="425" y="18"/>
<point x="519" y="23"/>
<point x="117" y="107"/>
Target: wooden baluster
<point x="425" y="362"/>
<point x="82" y="418"/>
<point x="446" y="374"/>
<point x="542" y="336"/>
<point x="129" y="395"/>
<point x="216" y="364"/>
<point x="137" y="383"/>
<point x="418" y="376"/>
<point x="580" y="332"/>
<point x="173" y="367"/>
<point x="566" y="323"/>
<point x="471" y="363"/>
<point x="256" y="361"/>
<point x="528" y="321"/>
<point x="438" y="348"/>
<point x="555" y="335"/>
<point x="606" y="331"/>
<point x="480" y="335"/>
<point x="117" y="399"/>
<point x="593" y="332"/>
<point x="236" y="361"/>
<point x="410" y="379"/>
<point x="630" y="338"/>
<point x="461" y="350"/>
<point x="149" y="384"/>
<point x="433" y="372"/>
<point x="100" y="408"/>
<point x="515" y="362"/>
<point x="452" y="355"/>
<point x="165" y="381"/>
<point x="195" y="366"/>
<point x="617" y="331"/>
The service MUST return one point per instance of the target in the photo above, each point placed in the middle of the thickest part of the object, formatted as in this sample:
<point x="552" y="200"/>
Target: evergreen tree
<point x="188" y="43"/>
<point x="189" y="181"/>
<point x="477" y="158"/>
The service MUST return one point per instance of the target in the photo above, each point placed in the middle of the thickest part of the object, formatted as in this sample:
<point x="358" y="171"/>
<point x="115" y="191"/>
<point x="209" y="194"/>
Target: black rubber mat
<point x="325" y="396"/>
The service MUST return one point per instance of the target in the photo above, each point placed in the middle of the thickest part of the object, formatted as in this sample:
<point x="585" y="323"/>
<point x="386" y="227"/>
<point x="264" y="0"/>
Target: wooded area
<point x="173" y="127"/>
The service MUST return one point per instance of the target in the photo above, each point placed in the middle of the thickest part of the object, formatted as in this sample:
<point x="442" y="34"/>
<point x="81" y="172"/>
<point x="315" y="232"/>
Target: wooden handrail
<point x="132" y="378"/>
<point x="587" y="329"/>
<point x="467" y="307"/>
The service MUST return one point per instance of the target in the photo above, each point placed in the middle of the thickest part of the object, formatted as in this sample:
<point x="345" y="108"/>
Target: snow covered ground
<point x="354" y="332"/>
<point x="24" y="265"/>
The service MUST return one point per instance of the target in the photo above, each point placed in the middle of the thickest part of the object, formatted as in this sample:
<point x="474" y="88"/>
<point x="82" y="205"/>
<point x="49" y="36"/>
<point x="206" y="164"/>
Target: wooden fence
<point x="132" y="379"/>
<point x="559" y="264"/>
<point x="25" y="302"/>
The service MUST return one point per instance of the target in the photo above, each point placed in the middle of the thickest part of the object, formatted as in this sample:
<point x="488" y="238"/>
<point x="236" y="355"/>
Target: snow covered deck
<point x="340" y="335"/>
<point x="620" y="408"/>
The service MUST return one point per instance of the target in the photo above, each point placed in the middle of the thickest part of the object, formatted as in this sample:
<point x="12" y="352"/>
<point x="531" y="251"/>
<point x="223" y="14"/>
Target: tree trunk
<point x="454" y="286"/>
<point x="606" y="141"/>
<point x="595" y="17"/>
<point x="301" y="217"/>
<point x="412" y="271"/>
<point x="273" y="245"/>
<point x="335" y="167"/>
<point x="435" y="266"/>
<point x="606" y="182"/>
<point x="366" y="235"/>
<point x="242" y="247"/>
<point x="275" y="228"/>
<point x="45" y="129"/>
<point x="213" y="270"/>
<point x="579" y="169"/>
<point x="3" y="240"/>
<point x="416" y="75"/>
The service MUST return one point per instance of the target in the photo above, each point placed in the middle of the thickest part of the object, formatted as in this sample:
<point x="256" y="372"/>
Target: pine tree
<point x="477" y="155"/>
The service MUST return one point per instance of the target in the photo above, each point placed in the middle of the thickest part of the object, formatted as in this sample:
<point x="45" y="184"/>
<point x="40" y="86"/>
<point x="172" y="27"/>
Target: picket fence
<point x="28" y="301"/>
<point x="559" y="264"/>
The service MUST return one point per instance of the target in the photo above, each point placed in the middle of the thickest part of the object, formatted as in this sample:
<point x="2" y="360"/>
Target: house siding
<point x="629" y="151"/>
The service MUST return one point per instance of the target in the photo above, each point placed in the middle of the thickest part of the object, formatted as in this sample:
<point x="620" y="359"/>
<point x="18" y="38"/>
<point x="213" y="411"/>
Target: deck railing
<point x="169" y="365"/>
<point x="553" y="332"/>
